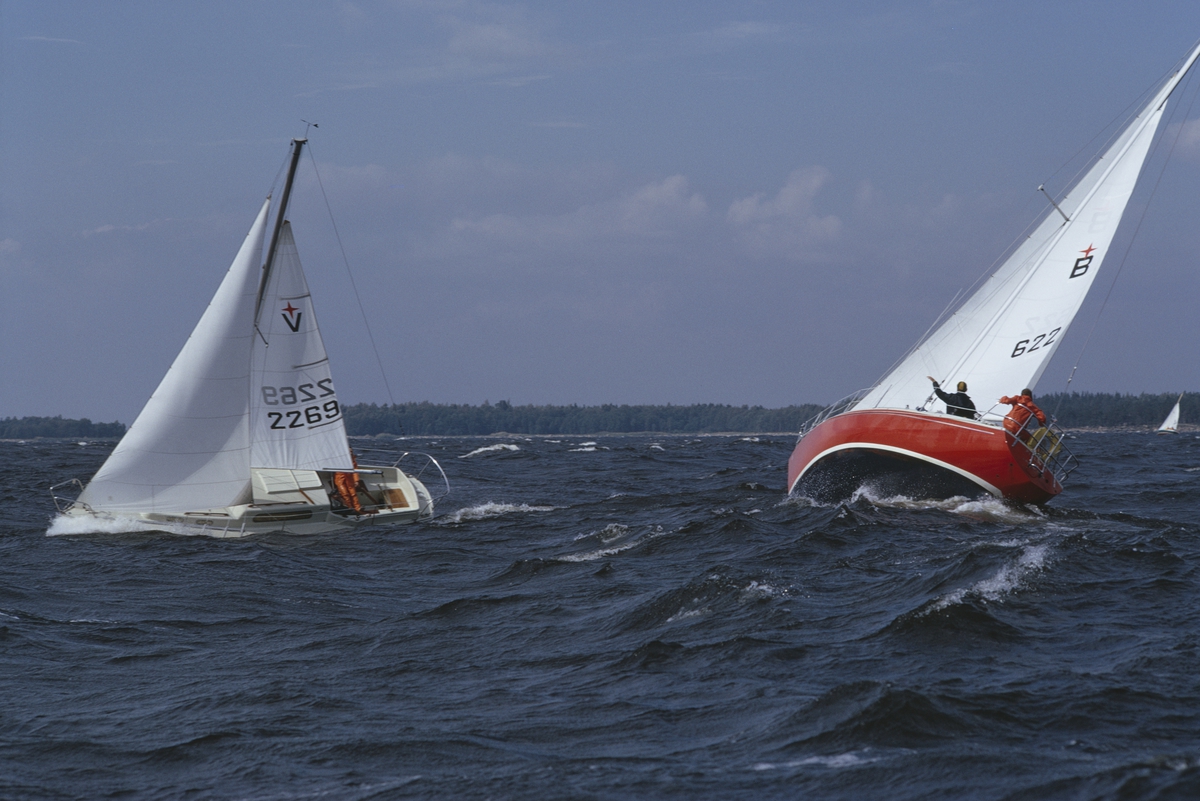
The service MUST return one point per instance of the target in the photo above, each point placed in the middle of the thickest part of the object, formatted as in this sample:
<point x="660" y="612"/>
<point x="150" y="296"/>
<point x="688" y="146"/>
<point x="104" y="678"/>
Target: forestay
<point x="296" y="420"/>
<point x="1002" y="337"/>
<point x="189" y="448"/>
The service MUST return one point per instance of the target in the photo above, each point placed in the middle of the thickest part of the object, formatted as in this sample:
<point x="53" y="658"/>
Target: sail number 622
<point x="1030" y="345"/>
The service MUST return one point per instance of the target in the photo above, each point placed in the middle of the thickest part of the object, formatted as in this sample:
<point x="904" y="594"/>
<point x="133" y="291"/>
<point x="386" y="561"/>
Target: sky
<point x="552" y="203"/>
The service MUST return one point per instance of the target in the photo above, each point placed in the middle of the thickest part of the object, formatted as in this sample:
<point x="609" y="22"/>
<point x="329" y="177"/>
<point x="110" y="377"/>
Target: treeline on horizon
<point x="436" y="419"/>
<point x="32" y="427"/>
<point x="1106" y="410"/>
<point x="1072" y="410"/>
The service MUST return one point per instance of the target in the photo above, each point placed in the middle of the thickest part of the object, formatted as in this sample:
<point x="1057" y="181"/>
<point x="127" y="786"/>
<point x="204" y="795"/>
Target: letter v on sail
<point x="999" y="340"/>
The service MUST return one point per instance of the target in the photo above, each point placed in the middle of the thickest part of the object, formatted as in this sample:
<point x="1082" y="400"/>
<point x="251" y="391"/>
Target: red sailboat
<point x="896" y="439"/>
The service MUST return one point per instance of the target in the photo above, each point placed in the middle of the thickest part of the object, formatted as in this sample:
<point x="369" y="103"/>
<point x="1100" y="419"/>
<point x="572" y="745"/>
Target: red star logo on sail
<point x="289" y="309"/>
<point x="1086" y="252"/>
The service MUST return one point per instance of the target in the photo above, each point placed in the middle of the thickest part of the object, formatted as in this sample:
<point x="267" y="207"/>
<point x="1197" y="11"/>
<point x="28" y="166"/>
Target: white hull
<point x="386" y="496"/>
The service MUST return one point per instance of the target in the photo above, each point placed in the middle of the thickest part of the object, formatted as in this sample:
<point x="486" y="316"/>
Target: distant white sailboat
<point x="1171" y="424"/>
<point x="245" y="432"/>
<point x="999" y="340"/>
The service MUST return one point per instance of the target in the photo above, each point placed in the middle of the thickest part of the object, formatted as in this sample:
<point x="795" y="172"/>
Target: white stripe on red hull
<point x="919" y="454"/>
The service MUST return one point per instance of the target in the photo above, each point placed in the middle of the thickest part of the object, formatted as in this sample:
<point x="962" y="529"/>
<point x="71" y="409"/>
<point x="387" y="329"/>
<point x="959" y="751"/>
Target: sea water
<point x="617" y="617"/>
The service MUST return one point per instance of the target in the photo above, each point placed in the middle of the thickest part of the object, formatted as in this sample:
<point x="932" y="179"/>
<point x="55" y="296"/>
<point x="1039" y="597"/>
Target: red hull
<point x="931" y="454"/>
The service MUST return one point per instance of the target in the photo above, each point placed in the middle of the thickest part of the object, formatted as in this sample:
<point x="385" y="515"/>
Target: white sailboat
<point x="1171" y="424"/>
<point x="245" y="432"/>
<point x="999" y="342"/>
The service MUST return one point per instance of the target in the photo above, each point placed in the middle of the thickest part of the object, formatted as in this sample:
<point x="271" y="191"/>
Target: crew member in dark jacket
<point x="959" y="403"/>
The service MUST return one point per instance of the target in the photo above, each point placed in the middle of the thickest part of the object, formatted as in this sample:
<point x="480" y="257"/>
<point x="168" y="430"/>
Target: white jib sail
<point x="1172" y="421"/>
<point x="189" y="449"/>
<point x="295" y="419"/>
<point x="1002" y="337"/>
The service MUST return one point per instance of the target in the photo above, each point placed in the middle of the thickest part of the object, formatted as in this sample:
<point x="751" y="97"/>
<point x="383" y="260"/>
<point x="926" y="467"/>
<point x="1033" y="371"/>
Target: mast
<point x="297" y="144"/>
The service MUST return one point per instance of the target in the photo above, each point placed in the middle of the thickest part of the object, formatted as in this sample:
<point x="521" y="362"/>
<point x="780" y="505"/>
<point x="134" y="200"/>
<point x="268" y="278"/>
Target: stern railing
<point x="430" y="461"/>
<point x="1041" y="445"/>
<point x="63" y="505"/>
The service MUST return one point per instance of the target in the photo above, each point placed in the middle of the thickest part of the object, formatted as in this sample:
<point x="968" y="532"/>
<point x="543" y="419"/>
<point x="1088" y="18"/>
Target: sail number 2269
<point x="308" y="416"/>
<point x="1030" y="345"/>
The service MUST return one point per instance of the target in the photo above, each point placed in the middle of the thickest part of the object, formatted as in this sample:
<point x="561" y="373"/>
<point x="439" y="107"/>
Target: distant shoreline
<point x="1073" y="412"/>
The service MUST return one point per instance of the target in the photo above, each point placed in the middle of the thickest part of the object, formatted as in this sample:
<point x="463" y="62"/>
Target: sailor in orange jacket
<point x="346" y="485"/>
<point x="1022" y="408"/>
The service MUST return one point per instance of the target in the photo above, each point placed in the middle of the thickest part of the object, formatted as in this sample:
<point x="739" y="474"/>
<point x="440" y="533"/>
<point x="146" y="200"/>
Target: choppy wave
<point x="489" y="510"/>
<point x="1006" y="580"/>
<point x="498" y="448"/>
<point x="70" y="525"/>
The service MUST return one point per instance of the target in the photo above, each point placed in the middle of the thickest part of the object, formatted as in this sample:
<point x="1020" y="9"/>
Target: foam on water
<point x="486" y="511"/>
<point x="851" y="759"/>
<point x="1007" y="580"/>
<point x="68" y="525"/>
<point x="504" y="446"/>
<point x="64" y="525"/>
<point x="610" y="536"/>
<point x="985" y="508"/>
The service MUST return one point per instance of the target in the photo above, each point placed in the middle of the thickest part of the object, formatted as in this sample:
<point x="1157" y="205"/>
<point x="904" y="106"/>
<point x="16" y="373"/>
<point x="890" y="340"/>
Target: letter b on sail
<point x="1082" y="263"/>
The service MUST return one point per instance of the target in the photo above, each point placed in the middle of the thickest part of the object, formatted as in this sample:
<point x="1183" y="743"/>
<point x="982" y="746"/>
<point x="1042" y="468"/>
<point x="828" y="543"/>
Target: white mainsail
<point x="1002" y="337"/>
<point x="295" y="419"/>
<point x="190" y="446"/>
<point x="1171" y="424"/>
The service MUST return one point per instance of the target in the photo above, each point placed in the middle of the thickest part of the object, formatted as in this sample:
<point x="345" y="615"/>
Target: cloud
<point x="517" y="81"/>
<point x="108" y="229"/>
<point x="658" y="210"/>
<point x="50" y="39"/>
<point x="787" y="224"/>
<point x="731" y="35"/>
<point x="496" y="44"/>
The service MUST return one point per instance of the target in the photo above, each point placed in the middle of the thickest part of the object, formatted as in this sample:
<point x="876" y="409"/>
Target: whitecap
<point x="64" y="525"/>
<point x="485" y="511"/>
<point x="847" y="760"/>
<point x="490" y="449"/>
<point x="684" y="614"/>
<point x="756" y="590"/>
<point x="606" y="535"/>
<point x="582" y="450"/>
<point x="1007" y="580"/>
<point x="850" y="759"/>
<point x="655" y="446"/>
<point x="985" y="508"/>
<point x="592" y="556"/>
<point x="68" y="525"/>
